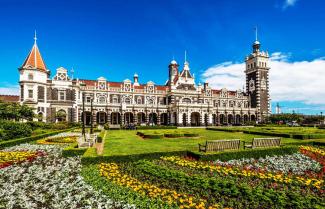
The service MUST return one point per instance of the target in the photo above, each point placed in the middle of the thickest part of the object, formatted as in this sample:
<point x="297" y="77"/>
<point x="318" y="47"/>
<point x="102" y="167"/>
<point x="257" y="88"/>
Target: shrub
<point x="191" y="134"/>
<point x="13" y="130"/>
<point x="174" y="135"/>
<point x="99" y="139"/>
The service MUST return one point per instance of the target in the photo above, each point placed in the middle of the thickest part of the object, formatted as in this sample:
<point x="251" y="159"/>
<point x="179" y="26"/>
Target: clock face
<point x="251" y="85"/>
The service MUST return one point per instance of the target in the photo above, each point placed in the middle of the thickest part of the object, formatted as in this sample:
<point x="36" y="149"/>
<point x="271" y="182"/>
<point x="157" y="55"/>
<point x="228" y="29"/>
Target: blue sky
<point x="115" y="39"/>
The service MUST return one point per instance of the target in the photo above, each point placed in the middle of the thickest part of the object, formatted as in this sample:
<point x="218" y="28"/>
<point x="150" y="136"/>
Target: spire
<point x="256" y="44"/>
<point x="185" y="57"/>
<point x="34" y="59"/>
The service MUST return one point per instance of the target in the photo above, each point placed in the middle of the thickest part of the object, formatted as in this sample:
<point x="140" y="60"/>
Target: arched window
<point x="186" y="100"/>
<point x="115" y="99"/>
<point x="139" y="100"/>
<point x="127" y="101"/>
<point x="102" y="100"/>
<point x="150" y="101"/>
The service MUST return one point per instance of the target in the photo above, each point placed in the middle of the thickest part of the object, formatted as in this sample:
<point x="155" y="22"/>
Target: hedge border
<point x="251" y="153"/>
<point x="13" y="142"/>
<point x="72" y="150"/>
<point x="155" y="127"/>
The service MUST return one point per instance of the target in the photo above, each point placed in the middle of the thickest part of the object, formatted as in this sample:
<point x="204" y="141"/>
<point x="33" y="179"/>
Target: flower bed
<point x="62" y="138"/>
<point x="49" y="182"/>
<point x="8" y="158"/>
<point x="178" y="182"/>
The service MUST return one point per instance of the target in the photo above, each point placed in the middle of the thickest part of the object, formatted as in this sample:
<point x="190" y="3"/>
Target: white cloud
<point x="9" y="89"/>
<point x="302" y="81"/>
<point x="288" y="3"/>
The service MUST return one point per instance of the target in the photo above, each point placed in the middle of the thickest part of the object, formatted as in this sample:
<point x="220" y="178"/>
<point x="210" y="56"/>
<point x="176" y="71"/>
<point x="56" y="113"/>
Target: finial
<point x="35" y="37"/>
<point x="255" y="33"/>
<point x="185" y="56"/>
<point x="72" y="72"/>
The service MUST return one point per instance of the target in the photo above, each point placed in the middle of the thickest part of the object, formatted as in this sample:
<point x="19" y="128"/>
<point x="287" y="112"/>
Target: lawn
<point x="122" y="142"/>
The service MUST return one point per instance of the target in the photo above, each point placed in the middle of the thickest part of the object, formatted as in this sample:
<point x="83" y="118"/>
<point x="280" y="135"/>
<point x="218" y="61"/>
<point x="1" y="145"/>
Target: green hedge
<point x="153" y="136"/>
<point x="73" y="150"/>
<point x="155" y="127"/>
<point x="249" y="153"/>
<point x="308" y="136"/>
<point x="91" y="157"/>
<point x="173" y="135"/>
<point x="14" y="142"/>
<point x="225" y="129"/>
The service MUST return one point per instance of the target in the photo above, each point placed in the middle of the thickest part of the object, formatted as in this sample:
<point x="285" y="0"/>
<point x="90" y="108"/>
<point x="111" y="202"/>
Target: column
<point x="158" y="119"/>
<point x="108" y="117"/>
<point x="135" y="118"/>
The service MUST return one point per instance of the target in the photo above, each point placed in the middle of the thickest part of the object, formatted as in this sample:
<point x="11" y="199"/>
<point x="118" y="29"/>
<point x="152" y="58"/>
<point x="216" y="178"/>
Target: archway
<point x="214" y="119"/>
<point x="101" y="117"/>
<point x="238" y="119"/>
<point x="141" y="118"/>
<point x="230" y="119"/>
<point x="40" y="117"/>
<point x="61" y="115"/>
<point x="87" y="117"/>
<point x="195" y="119"/>
<point x="152" y="118"/>
<point x="253" y="118"/>
<point x="222" y="119"/>
<point x="245" y="119"/>
<point x="115" y="118"/>
<point x="164" y="119"/>
<point x="184" y="119"/>
<point x="128" y="117"/>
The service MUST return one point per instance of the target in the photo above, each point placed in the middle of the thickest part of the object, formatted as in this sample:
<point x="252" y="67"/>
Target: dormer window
<point x="30" y="93"/>
<point x="61" y="95"/>
<point x="30" y="77"/>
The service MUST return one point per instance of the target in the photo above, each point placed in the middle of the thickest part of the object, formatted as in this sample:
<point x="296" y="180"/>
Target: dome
<point x="256" y="42"/>
<point x="173" y="62"/>
<point x="135" y="75"/>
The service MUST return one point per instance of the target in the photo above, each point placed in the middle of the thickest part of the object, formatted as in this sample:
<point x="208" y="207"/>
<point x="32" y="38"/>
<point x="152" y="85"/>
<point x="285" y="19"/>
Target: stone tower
<point x="257" y="81"/>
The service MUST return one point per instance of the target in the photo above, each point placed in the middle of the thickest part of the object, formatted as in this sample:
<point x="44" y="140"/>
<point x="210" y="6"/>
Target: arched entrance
<point x="184" y="119"/>
<point x="141" y="118"/>
<point x="128" y="117"/>
<point x="238" y="119"/>
<point x="40" y="117"/>
<point x="206" y="119"/>
<point x="245" y="119"/>
<point x="164" y="119"/>
<point x="152" y="119"/>
<point x="115" y="118"/>
<point x="253" y="118"/>
<point x="101" y="117"/>
<point x="61" y="115"/>
<point x="214" y="119"/>
<point x="230" y="119"/>
<point x="195" y="119"/>
<point x="87" y="117"/>
<point x="222" y="119"/>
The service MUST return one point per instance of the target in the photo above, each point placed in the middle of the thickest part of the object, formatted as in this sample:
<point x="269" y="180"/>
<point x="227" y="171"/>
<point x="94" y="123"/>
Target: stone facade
<point x="179" y="102"/>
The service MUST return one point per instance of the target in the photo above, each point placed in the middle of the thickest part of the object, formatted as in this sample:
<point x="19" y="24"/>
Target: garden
<point x="167" y="172"/>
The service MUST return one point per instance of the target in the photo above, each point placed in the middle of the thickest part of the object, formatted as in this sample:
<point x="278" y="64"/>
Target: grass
<point x="287" y="130"/>
<point x="122" y="142"/>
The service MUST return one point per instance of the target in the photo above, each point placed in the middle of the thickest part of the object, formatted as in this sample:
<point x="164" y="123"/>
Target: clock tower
<point x="257" y="81"/>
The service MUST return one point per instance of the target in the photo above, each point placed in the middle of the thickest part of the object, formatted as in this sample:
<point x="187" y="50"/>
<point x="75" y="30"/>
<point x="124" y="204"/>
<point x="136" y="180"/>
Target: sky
<point x="118" y="38"/>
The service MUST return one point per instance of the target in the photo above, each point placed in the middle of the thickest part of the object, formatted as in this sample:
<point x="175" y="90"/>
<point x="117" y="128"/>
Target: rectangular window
<point x="30" y="93"/>
<point x="88" y="99"/>
<point x="61" y="96"/>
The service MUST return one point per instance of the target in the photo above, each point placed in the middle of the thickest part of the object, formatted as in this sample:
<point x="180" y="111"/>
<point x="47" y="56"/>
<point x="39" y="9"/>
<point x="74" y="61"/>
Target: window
<point x="30" y="93"/>
<point x="61" y="95"/>
<point x="102" y="100"/>
<point x="115" y="100"/>
<point x="30" y="77"/>
<point x="139" y="100"/>
<point x="88" y="99"/>
<point x="127" y="101"/>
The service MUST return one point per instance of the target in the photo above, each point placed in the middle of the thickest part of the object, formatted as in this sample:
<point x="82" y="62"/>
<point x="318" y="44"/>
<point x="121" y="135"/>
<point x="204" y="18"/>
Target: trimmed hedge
<point x="249" y="153"/>
<point x="73" y="150"/>
<point x="14" y="142"/>
<point x="191" y="135"/>
<point x="91" y="157"/>
<point x="225" y="129"/>
<point x="173" y="135"/>
<point x="308" y="136"/>
<point x="153" y="136"/>
<point x="155" y="127"/>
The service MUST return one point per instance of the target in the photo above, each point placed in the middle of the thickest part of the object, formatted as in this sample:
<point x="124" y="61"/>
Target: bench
<point x="263" y="142"/>
<point x="220" y="145"/>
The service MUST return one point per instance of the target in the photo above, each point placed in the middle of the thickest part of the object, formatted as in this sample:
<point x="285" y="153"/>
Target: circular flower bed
<point x="49" y="182"/>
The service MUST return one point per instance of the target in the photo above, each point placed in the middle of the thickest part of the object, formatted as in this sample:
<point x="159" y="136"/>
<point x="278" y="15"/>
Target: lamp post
<point x="91" y="115"/>
<point x="83" y="115"/>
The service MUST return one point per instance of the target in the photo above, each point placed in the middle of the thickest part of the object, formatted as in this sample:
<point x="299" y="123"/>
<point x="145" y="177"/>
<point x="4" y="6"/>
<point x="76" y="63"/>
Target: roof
<point x="35" y="60"/>
<point x="9" y="98"/>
